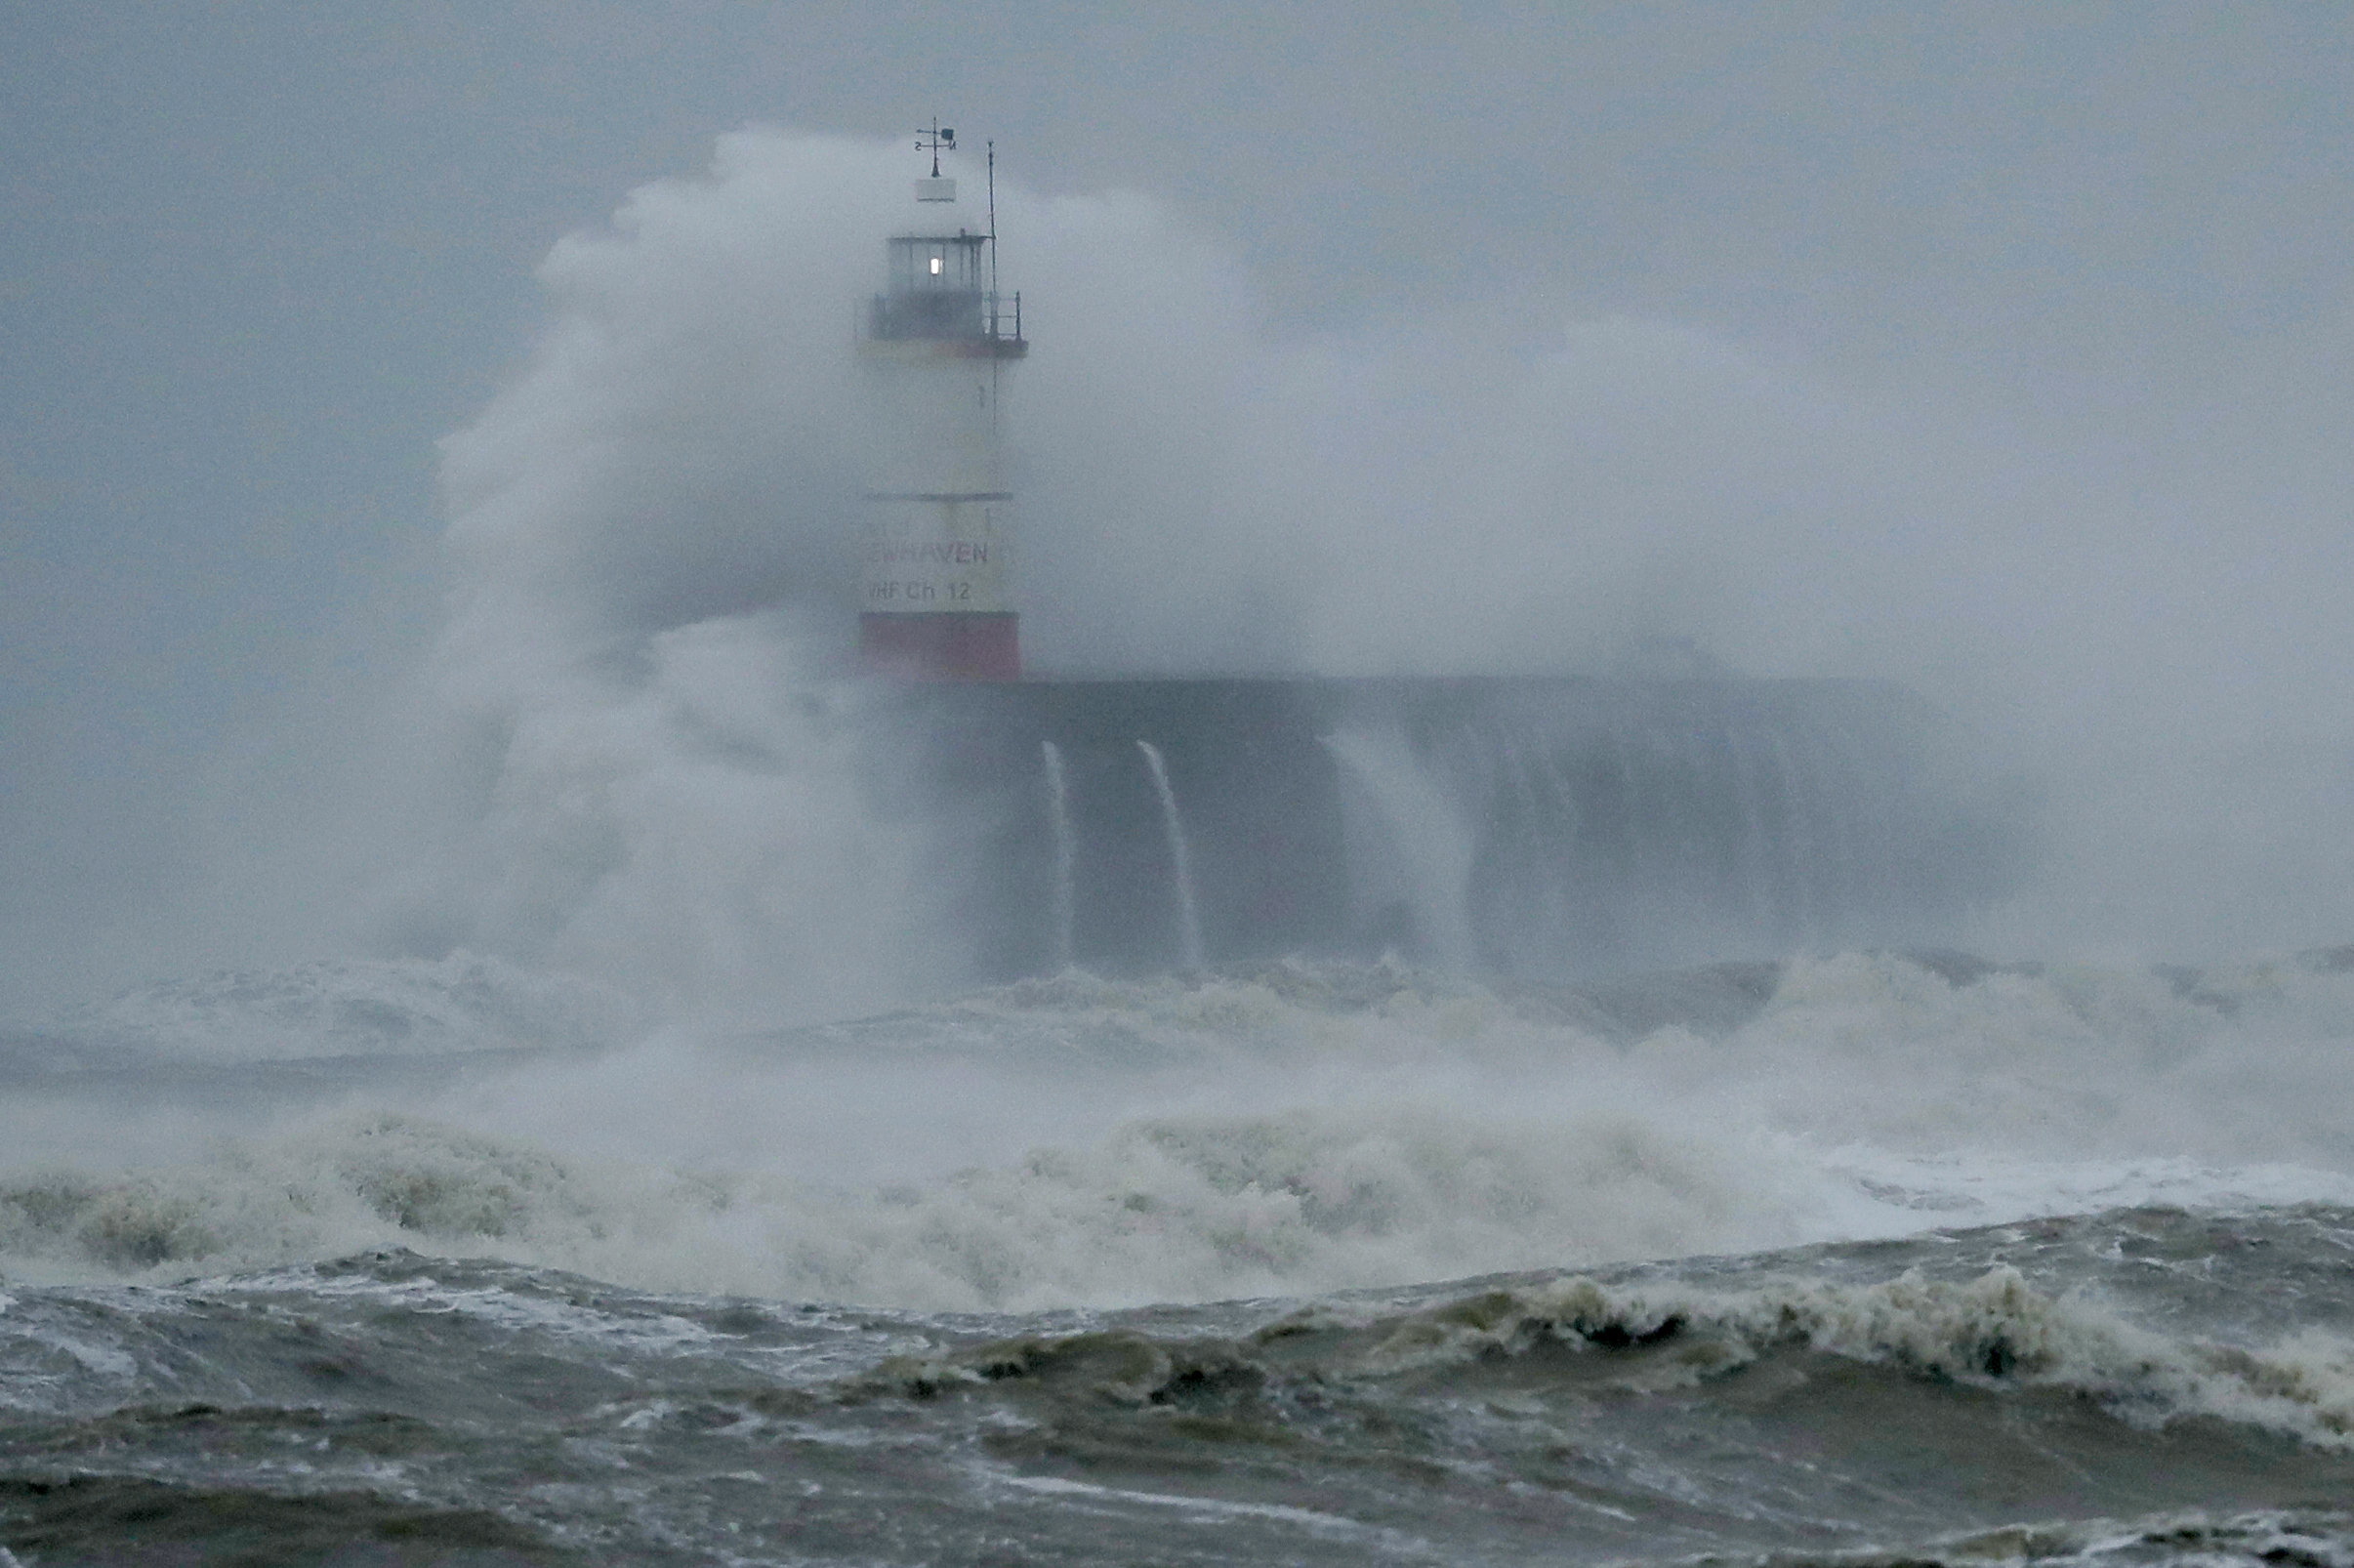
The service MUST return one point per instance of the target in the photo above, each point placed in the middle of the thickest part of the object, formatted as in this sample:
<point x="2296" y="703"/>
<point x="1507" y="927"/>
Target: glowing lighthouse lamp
<point x="931" y="599"/>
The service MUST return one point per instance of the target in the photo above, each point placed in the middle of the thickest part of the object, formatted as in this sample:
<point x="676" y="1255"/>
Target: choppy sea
<point x="1866" y="1258"/>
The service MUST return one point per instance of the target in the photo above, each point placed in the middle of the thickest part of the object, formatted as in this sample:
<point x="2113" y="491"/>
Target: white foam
<point x="1080" y="1141"/>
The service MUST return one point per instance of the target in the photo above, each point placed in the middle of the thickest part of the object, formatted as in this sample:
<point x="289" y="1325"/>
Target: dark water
<point x="1867" y="1257"/>
<point x="2139" y="1386"/>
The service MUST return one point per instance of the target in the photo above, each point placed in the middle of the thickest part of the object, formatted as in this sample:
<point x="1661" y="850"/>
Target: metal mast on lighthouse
<point x="933" y="595"/>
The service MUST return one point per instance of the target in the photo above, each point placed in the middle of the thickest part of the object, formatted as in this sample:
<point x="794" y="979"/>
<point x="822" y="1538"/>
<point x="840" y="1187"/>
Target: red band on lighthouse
<point x="942" y="647"/>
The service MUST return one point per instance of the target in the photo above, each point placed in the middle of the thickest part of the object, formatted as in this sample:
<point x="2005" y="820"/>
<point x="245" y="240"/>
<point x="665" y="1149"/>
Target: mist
<point x="635" y="706"/>
<point x="2001" y="360"/>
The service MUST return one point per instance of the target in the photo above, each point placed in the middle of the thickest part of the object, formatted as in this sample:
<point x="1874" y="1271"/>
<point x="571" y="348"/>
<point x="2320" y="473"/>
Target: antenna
<point x="932" y="141"/>
<point x="995" y="366"/>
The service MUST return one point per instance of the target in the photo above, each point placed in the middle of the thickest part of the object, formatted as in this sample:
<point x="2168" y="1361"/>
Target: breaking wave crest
<point x="1163" y="1210"/>
<point x="1993" y="1330"/>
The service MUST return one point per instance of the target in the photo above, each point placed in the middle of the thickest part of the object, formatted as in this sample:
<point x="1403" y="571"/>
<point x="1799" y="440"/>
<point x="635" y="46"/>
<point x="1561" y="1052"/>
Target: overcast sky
<point x="255" y="259"/>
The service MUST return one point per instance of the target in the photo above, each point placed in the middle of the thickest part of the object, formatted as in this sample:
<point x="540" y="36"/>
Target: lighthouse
<point x="932" y="596"/>
<point x="1173" y="817"/>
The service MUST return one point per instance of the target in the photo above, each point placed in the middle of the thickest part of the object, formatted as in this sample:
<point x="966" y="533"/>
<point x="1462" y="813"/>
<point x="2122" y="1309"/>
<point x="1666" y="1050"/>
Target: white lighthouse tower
<point x="933" y="600"/>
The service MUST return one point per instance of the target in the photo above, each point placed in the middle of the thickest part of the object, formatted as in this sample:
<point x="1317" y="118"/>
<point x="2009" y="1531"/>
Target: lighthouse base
<point x="944" y="646"/>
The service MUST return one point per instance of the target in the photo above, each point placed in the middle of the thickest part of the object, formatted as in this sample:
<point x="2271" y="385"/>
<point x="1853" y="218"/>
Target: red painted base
<point x="944" y="646"/>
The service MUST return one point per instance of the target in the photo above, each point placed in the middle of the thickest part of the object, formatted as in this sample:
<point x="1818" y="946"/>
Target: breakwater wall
<point x="1535" y="827"/>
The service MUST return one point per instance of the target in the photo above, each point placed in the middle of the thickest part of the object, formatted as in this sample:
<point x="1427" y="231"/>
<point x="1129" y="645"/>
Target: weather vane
<point x="932" y="142"/>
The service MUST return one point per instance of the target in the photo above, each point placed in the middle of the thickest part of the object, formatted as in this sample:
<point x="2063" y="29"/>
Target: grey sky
<point x="257" y="258"/>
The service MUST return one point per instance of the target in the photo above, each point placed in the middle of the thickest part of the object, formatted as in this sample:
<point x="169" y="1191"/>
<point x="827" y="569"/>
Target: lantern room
<point x="937" y="293"/>
<point x="943" y="263"/>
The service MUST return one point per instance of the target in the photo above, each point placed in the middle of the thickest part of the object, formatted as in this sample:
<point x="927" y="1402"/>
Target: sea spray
<point x="1066" y="855"/>
<point x="1755" y="844"/>
<point x="1424" y="839"/>
<point x="1181" y="859"/>
<point x="1798" y="842"/>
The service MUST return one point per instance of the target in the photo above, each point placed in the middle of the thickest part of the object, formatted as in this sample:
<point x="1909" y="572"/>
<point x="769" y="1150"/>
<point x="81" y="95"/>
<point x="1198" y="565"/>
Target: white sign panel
<point x="923" y="553"/>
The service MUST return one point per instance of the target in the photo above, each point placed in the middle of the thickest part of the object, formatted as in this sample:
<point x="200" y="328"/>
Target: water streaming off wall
<point x="1535" y="827"/>
<point x="1066" y="853"/>
<point x="1180" y="860"/>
